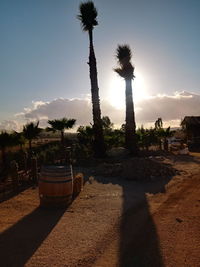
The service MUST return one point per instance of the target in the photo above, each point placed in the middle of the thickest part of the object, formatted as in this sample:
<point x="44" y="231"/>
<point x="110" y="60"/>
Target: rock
<point x="179" y="220"/>
<point x="145" y="169"/>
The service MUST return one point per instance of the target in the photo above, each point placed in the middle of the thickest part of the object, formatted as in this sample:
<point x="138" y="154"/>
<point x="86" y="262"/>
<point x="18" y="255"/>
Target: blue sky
<point x="43" y="51"/>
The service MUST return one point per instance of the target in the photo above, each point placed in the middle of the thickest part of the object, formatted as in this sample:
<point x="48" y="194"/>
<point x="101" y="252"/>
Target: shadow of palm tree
<point x="139" y="242"/>
<point x="19" y="242"/>
<point x="186" y="158"/>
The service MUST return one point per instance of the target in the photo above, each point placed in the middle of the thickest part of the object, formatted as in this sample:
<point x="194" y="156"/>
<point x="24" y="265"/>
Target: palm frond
<point x="61" y="124"/>
<point x="126" y="71"/>
<point x="119" y="71"/>
<point x="88" y="15"/>
<point x="31" y="130"/>
<point x="70" y="123"/>
<point x="49" y="129"/>
<point x="123" y="54"/>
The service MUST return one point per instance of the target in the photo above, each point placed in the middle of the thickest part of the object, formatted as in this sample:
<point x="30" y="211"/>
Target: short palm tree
<point x="163" y="134"/>
<point x="85" y="135"/>
<point x="107" y="125"/>
<point x="31" y="131"/>
<point x="158" y="123"/>
<point x="88" y="18"/>
<point x="19" y="139"/>
<point x="126" y="71"/>
<point x="5" y="141"/>
<point x="60" y="125"/>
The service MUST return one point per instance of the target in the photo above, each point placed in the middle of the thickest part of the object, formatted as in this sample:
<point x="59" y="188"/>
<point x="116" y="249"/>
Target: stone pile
<point x="148" y="169"/>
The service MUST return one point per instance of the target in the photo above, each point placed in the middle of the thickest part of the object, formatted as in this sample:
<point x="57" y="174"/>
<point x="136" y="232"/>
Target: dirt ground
<point x="113" y="222"/>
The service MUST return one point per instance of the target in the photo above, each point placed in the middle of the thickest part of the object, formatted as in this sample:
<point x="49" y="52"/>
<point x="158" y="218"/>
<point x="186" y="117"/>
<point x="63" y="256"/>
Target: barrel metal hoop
<point x="53" y="197"/>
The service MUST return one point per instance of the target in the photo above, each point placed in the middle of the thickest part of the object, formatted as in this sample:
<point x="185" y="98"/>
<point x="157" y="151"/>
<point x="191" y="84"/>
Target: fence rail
<point x="18" y="179"/>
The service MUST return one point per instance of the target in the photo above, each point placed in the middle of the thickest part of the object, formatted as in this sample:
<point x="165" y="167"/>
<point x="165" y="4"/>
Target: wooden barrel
<point x="78" y="184"/>
<point x="55" y="186"/>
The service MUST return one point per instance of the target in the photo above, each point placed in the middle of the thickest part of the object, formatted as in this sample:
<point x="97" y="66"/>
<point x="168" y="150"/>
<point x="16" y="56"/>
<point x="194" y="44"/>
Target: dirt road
<point x="169" y="237"/>
<point x="113" y="222"/>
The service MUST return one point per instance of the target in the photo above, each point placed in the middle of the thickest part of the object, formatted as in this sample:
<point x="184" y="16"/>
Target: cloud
<point x="171" y="108"/>
<point x="10" y="125"/>
<point x="80" y="109"/>
<point x="58" y="108"/>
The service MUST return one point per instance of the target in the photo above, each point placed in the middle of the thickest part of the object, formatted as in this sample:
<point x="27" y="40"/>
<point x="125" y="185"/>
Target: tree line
<point x="85" y="137"/>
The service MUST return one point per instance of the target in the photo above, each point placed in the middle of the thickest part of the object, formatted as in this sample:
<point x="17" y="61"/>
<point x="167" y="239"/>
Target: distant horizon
<point x="171" y="111"/>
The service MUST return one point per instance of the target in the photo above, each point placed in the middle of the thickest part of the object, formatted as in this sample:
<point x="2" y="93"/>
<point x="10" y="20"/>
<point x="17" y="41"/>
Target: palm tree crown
<point x="31" y="130"/>
<point x="61" y="125"/>
<point x="123" y="55"/>
<point x="88" y="16"/>
<point x="158" y="123"/>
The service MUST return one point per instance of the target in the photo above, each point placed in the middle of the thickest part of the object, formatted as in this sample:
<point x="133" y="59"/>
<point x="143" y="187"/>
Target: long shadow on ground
<point x="139" y="242"/>
<point x="19" y="242"/>
<point x="10" y="194"/>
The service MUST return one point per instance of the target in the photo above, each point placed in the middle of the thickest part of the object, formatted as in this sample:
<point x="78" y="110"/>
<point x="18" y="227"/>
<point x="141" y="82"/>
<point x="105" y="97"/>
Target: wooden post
<point x="14" y="175"/>
<point x="78" y="184"/>
<point x="166" y="147"/>
<point x="34" y="171"/>
<point x="68" y="154"/>
<point x="25" y="160"/>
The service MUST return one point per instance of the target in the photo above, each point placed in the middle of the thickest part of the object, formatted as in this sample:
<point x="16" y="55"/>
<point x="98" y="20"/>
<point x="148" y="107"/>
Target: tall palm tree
<point x="88" y="18"/>
<point x="31" y="131"/>
<point x="126" y="71"/>
<point x="60" y="125"/>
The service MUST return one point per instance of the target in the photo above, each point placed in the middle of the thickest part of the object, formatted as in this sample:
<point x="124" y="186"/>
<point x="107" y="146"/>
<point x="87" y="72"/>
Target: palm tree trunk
<point x="30" y="145"/>
<point x="130" y="137"/>
<point x="3" y="156"/>
<point x="62" y="138"/>
<point x="166" y="147"/>
<point x="160" y="144"/>
<point x="99" y="146"/>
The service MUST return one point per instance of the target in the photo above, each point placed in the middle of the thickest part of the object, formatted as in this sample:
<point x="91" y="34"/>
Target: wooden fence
<point x="18" y="179"/>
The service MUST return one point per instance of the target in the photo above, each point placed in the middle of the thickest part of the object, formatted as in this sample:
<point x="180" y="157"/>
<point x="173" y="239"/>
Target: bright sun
<point x="117" y="90"/>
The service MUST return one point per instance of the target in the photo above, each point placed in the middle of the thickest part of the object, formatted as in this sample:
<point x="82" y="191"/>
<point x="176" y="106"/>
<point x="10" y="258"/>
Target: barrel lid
<point x="52" y="168"/>
<point x="55" y="166"/>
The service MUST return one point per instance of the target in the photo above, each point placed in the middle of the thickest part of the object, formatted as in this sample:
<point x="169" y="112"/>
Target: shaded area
<point x="8" y="194"/>
<point x="19" y="242"/>
<point x="185" y="158"/>
<point x="139" y="242"/>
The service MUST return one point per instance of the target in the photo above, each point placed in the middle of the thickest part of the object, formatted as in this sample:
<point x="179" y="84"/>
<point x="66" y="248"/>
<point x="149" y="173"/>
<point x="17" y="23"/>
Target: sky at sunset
<point x="44" y="53"/>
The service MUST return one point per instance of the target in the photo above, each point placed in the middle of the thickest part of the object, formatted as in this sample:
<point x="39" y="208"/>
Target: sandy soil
<point x="113" y="222"/>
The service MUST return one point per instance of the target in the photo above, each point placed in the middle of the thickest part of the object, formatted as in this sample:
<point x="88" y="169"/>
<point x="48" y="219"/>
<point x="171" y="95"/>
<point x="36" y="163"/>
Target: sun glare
<point x="117" y="90"/>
